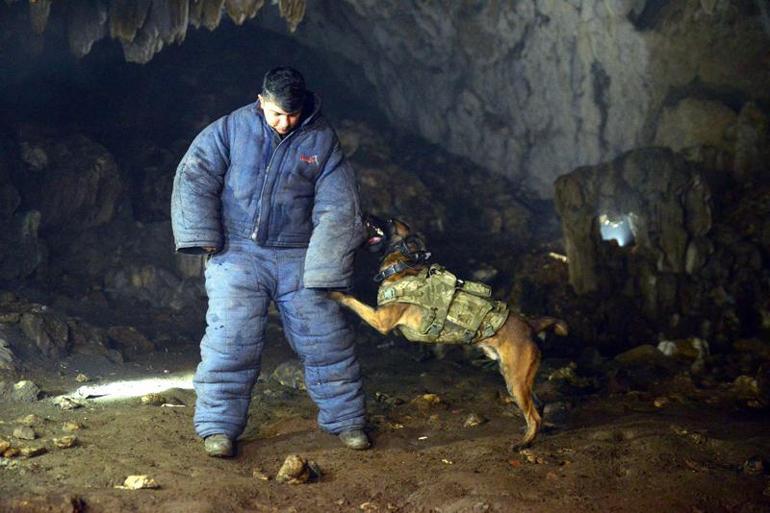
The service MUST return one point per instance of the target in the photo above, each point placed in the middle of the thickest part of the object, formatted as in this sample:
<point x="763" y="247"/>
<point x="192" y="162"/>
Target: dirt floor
<point x="602" y="452"/>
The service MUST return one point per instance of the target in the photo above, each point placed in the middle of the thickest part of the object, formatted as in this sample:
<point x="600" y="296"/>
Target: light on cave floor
<point x="618" y="228"/>
<point x="127" y="389"/>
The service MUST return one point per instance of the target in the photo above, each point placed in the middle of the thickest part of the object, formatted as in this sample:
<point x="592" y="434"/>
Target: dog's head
<point x="393" y="235"/>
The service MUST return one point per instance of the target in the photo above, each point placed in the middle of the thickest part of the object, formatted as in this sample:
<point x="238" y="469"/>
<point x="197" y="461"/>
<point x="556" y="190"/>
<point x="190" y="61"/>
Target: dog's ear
<point x="399" y="228"/>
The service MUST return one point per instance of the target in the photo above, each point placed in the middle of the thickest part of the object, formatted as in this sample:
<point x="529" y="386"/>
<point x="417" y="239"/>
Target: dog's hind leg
<point x="519" y="367"/>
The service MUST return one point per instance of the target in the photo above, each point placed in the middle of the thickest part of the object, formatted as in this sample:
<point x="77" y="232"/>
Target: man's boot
<point x="219" y="446"/>
<point x="355" y="439"/>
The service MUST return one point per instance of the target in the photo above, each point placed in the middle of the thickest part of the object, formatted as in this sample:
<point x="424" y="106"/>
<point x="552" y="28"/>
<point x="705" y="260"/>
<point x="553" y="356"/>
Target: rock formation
<point x="528" y="89"/>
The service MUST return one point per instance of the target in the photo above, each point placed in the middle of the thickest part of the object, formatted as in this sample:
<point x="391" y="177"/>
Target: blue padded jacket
<point x="240" y="179"/>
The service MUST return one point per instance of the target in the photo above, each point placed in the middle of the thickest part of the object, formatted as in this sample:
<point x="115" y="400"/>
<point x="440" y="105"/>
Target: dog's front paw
<point x="337" y="296"/>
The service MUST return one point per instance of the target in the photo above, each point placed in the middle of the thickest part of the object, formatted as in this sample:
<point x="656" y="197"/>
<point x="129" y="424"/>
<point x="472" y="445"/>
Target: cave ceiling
<point x="529" y="89"/>
<point x="144" y="27"/>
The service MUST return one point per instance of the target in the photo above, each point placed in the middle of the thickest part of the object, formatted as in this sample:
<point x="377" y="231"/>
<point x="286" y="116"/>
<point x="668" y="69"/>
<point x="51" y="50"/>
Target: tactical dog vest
<point x="454" y="311"/>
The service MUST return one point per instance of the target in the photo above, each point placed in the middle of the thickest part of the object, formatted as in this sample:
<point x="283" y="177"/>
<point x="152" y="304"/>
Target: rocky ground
<point x="634" y="433"/>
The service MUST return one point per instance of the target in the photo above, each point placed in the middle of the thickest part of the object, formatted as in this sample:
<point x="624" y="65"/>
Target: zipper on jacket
<point x="255" y="231"/>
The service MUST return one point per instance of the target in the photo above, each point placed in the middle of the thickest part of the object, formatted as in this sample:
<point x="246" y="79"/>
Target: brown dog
<point x="512" y="345"/>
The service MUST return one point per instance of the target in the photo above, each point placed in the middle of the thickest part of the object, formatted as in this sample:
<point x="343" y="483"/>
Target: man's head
<point x="283" y="95"/>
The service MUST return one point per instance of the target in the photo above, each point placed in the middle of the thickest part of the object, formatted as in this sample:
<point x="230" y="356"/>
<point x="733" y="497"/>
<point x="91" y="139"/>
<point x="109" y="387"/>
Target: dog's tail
<point x="541" y="324"/>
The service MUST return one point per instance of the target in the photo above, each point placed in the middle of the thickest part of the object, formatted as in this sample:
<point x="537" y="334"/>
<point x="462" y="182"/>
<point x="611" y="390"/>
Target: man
<point x="267" y="192"/>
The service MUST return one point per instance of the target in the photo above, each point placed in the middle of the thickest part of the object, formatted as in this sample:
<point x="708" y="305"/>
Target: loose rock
<point x="753" y="466"/>
<point x="387" y="399"/>
<point x="66" y="442"/>
<point x="138" y="483"/>
<point x="11" y="452"/>
<point x="30" y="420"/>
<point x="426" y="401"/>
<point x="69" y="427"/>
<point x="82" y="378"/>
<point x="67" y="403"/>
<point x="24" y="433"/>
<point x="297" y="470"/>
<point x="290" y="374"/>
<point x="153" y="399"/>
<point x="25" y="392"/>
<point x="31" y="451"/>
<point x="4" y="445"/>
<point x="258" y="474"/>
<point x="473" y="420"/>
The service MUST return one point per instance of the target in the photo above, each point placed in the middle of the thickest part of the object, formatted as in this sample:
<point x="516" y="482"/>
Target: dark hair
<point x="286" y="87"/>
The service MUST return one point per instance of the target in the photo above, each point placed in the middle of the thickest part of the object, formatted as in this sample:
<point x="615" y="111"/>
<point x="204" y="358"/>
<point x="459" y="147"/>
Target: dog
<point x="404" y="257"/>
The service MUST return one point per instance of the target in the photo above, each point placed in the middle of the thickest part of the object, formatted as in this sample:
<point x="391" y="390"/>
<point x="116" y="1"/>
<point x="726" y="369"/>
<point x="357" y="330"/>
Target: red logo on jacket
<point x="309" y="159"/>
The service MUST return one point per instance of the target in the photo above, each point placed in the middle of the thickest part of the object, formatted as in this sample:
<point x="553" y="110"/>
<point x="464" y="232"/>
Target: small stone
<point x="473" y="420"/>
<point x="387" y="399"/>
<point x="30" y="420"/>
<point x="10" y="317"/>
<point x="660" y="402"/>
<point x="290" y="374"/>
<point x="66" y="442"/>
<point x="746" y="387"/>
<point x="369" y="506"/>
<point x="153" y="399"/>
<point x="568" y="375"/>
<point x="11" y="452"/>
<point x="258" y="474"/>
<point x="430" y="399"/>
<point x="4" y="445"/>
<point x="531" y="456"/>
<point x="296" y="470"/>
<point x="30" y="451"/>
<point x="25" y="392"/>
<point x="426" y="401"/>
<point x="24" y="433"/>
<point x="82" y="378"/>
<point x="139" y="482"/>
<point x="753" y="466"/>
<point x="67" y="403"/>
<point x="69" y="427"/>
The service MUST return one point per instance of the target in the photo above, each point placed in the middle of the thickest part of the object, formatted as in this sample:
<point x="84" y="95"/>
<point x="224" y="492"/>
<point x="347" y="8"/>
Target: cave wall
<point x="530" y="89"/>
<point x="534" y="88"/>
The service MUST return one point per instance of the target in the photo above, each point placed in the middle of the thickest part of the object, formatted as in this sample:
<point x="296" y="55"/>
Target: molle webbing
<point x="454" y="311"/>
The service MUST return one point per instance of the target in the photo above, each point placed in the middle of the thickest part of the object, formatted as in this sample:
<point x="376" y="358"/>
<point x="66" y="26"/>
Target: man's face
<point x="281" y="121"/>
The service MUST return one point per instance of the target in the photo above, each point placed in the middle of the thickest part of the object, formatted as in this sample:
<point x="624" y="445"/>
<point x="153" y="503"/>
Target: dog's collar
<point x="390" y="271"/>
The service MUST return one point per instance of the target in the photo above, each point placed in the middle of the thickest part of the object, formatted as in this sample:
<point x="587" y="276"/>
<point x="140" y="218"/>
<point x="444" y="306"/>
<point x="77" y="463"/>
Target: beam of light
<point x="118" y="390"/>
<point x="617" y="228"/>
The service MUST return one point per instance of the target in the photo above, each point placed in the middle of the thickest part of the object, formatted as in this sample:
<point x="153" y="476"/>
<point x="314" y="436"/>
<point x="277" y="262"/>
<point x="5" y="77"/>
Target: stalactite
<point x="38" y="14"/>
<point x="242" y="10"/>
<point x="212" y="13"/>
<point x="144" y="27"/>
<point x="293" y="11"/>
<point x="173" y="27"/>
<point x="166" y="23"/>
<point x="86" y="24"/>
<point x="127" y="17"/>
